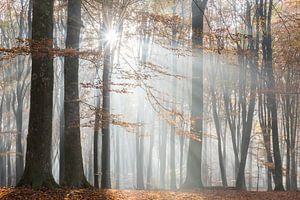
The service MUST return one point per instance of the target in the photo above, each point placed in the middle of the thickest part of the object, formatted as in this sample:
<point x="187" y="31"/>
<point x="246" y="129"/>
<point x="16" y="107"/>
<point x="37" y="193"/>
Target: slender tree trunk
<point x="293" y="169"/>
<point x="294" y="151"/>
<point x="217" y="122"/>
<point x="2" y="144"/>
<point x="271" y="96"/>
<point x="19" y="97"/>
<point x="29" y="18"/>
<point x="149" y="168"/>
<point x="140" y="159"/>
<point x="9" y="140"/>
<point x="140" y="147"/>
<point x="19" y="148"/>
<point x="97" y="125"/>
<point x="162" y="153"/>
<point x="61" y="143"/>
<point x="118" y="162"/>
<point x="172" y="158"/>
<point x="2" y="169"/>
<point x="287" y="139"/>
<point x="9" y="172"/>
<point x="218" y="130"/>
<point x="264" y="120"/>
<point x="61" y="116"/>
<point x="250" y="167"/>
<point x="105" y="178"/>
<point x="96" y="141"/>
<point x="173" y="126"/>
<point x="247" y="129"/>
<point x="194" y="178"/>
<point x="247" y="114"/>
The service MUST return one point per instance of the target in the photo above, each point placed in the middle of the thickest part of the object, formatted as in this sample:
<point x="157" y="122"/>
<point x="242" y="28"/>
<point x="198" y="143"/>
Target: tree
<point x="105" y="178"/>
<point x="139" y="142"/>
<point x="96" y="134"/>
<point x="106" y="78"/>
<point x="247" y="114"/>
<point x="174" y="90"/>
<point x="38" y="172"/>
<point x="265" y="13"/>
<point x="193" y="179"/>
<point x="150" y="161"/>
<point x="216" y="117"/>
<point x="19" y="95"/>
<point x="74" y="174"/>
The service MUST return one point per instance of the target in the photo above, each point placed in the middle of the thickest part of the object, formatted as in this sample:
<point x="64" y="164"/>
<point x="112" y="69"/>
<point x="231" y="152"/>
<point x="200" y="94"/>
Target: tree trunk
<point x="9" y="172"/>
<point x="20" y="93"/>
<point x="140" y="159"/>
<point x="162" y="152"/>
<point x="61" y="143"/>
<point x="194" y="178"/>
<point x="19" y="147"/>
<point x="218" y="130"/>
<point x="293" y="169"/>
<point x="247" y="129"/>
<point x="96" y="141"/>
<point x="287" y="139"/>
<point x="271" y="96"/>
<point x="250" y="168"/>
<point x="265" y="124"/>
<point x="247" y="113"/>
<point x="174" y="90"/>
<point x="105" y="176"/>
<point x="74" y="173"/>
<point x="2" y="145"/>
<point x="38" y="172"/>
<point x="149" y="168"/>
<point x="118" y="162"/>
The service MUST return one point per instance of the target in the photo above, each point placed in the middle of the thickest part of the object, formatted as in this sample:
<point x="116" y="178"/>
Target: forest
<point x="149" y="99"/>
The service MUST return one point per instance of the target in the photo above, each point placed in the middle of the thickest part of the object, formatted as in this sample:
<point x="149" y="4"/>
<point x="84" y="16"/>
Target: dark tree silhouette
<point x="73" y="173"/>
<point x="38" y="172"/>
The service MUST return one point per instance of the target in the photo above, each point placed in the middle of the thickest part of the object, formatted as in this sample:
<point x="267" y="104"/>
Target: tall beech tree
<point x="174" y="90"/>
<point x="106" y="78"/>
<point x="38" y="172"/>
<point x="22" y="86"/>
<point x="265" y="13"/>
<point x="73" y="173"/>
<point x="193" y="178"/>
<point x="217" y="122"/>
<point x="249" y="60"/>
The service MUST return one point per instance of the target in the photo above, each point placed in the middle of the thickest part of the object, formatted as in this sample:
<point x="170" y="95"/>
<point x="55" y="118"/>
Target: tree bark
<point x="96" y="141"/>
<point x="218" y="130"/>
<point x="194" y="178"/>
<point x="140" y="158"/>
<point x="173" y="126"/>
<point x="105" y="178"/>
<point x="38" y="172"/>
<point x="162" y="152"/>
<point x="266" y="15"/>
<point x="149" y="168"/>
<point x="74" y="174"/>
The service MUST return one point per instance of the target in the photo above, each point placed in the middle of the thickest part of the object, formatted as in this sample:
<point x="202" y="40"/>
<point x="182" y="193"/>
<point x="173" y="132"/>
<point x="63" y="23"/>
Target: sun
<point x="111" y="36"/>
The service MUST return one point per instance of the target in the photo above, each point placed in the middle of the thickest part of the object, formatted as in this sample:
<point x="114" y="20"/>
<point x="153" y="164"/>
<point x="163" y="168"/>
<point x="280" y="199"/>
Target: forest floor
<point x="24" y="194"/>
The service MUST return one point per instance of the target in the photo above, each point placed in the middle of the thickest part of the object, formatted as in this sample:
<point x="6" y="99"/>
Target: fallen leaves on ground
<point x="69" y="194"/>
